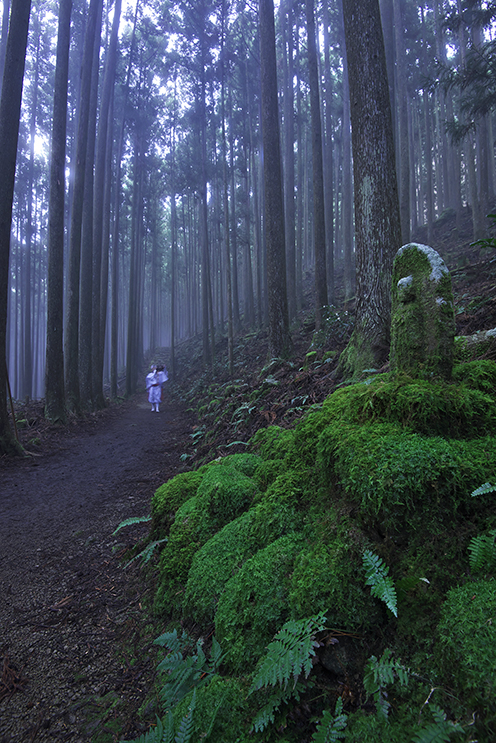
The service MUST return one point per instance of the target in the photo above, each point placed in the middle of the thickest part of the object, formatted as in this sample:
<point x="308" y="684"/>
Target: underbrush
<point x="357" y="541"/>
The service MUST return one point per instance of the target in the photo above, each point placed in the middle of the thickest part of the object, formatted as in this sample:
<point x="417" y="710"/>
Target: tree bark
<point x="279" y="336"/>
<point x="10" y="109"/>
<point x="377" y="219"/>
<point x="54" y="370"/>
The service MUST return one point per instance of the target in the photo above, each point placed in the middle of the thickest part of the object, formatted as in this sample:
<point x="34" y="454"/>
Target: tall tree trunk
<point x="317" y="170"/>
<point x="71" y="344"/>
<point x="54" y="370"/>
<point x="403" y="149"/>
<point x="289" y="169"/>
<point x="279" y="336"/>
<point x="377" y="219"/>
<point x="10" y="110"/>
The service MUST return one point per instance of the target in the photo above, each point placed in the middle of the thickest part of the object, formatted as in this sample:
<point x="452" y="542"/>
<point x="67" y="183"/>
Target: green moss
<point x="273" y="442"/>
<point x="267" y="471"/>
<point x="244" y="462"/>
<point x="437" y="407"/>
<point x="391" y="472"/>
<point x="254" y="605"/>
<point x="170" y="496"/>
<point x="477" y="375"/>
<point x="327" y="578"/>
<point x="467" y="653"/>
<point x="364" y="727"/>
<point x="225" y="553"/>
<point x="223" y="494"/>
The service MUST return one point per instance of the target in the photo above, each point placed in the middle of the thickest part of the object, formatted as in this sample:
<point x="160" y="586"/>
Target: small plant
<point x="382" y="585"/>
<point x="482" y="551"/>
<point x="487" y="242"/>
<point x="382" y="672"/>
<point x="146" y="554"/>
<point x="185" y="673"/>
<point x="331" y="729"/>
<point x="483" y="489"/>
<point x="165" y="733"/>
<point x="287" y="656"/>
<point x="439" y="730"/>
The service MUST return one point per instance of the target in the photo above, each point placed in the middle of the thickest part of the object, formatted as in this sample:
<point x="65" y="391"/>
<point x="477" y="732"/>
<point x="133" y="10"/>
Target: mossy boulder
<point x="224" y="493"/>
<point x="273" y="442"/>
<point x="329" y="578"/>
<point x="422" y="322"/>
<point x="394" y="474"/>
<point x="467" y="650"/>
<point x="254" y="604"/>
<point x="170" y="496"/>
<point x="244" y="462"/>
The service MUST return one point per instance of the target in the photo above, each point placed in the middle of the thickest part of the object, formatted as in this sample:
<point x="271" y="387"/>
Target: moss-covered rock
<point x="273" y="442"/>
<point x="327" y="578"/>
<point x="467" y="650"/>
<point x="392" y="472"/>
<point x="170" y="496"/>
<point x="223" y="494"/>
<point x="254" y="604"/>
<point x="244" y="462"/>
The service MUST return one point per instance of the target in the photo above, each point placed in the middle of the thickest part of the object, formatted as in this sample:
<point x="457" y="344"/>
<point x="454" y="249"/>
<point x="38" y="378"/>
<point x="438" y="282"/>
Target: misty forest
<point x="184" y="174"/>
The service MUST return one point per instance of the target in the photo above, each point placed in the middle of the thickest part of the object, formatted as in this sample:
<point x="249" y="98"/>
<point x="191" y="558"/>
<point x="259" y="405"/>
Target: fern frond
<point x="331" y="729"/>
<point x="132" y="520"/>
<point x="289" y="653"/>
<point x="380" y="673"/>
<point x="147" y="553"/>
<point x="382" y="585"/>
<point x="168" y="736"/>
<point x="438" y="731"/>
<point x="482" y="551"/>
<point x="172" y="641"/>
<point x="483" y="489"/>
<point x="186" y="727"/>
<point x="266" y="716"/>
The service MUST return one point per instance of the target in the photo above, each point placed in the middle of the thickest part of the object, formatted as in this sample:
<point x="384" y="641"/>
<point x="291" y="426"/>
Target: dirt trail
<point x="66" y="604"/>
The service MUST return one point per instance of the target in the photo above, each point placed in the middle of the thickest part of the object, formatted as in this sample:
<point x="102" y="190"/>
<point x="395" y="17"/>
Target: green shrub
<point x="467" y="651"/>
<point x="169" y="496"/>
<point x="391" y="472"/>
<point x="254" y="604"/>
<point x="326" y="577"/>
<point x="273" y="442"/>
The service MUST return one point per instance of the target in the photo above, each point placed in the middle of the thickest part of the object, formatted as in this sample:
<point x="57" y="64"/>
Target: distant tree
<point x="377" y="218"/>
<point x="317" y="170"/>
<point x="54" y="374"/>
<point x="10" y="108"/>
<point x="279" y="336"/>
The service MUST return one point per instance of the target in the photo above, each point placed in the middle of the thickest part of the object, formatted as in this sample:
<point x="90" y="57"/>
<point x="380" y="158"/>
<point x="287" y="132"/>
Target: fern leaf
<point x="147" y="553"/>
<point x="168" y="736"/>
<point x="331" y="729"/>
<point x="289" y="653"/>
<point x="267" y="714"/>
<point x="382" y="585"/>
<point x="172" y="641"/>
<point x="482" y="551"/>
<point x="186" y="727"/>
<point x="155" y="735"/>
<point x="438" y="731"/>
<point x="380" y="673"/>
<point x="132" y="520"/>
<point x="483" y="489"/>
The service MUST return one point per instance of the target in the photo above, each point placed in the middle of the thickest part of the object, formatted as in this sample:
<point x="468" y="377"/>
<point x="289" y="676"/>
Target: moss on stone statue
<point x="422" y="324"/>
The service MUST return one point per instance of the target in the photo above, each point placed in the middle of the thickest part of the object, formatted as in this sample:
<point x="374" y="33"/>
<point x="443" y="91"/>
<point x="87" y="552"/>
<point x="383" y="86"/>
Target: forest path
<point x="67" y="606"/>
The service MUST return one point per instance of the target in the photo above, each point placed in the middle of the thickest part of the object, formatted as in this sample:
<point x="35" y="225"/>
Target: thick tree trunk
<point x="54" y="370"/>
<point x="10" y="109"/>
<point x="279" y="336"/>
<point x="318" y="172"/>
<point x="377" y="219"/>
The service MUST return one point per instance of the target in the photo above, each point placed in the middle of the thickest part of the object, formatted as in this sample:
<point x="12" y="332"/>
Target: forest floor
<point x="76" y="652"/>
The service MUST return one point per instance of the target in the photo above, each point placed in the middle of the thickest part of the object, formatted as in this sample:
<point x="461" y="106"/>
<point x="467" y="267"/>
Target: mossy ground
<point x="279" y="533"/>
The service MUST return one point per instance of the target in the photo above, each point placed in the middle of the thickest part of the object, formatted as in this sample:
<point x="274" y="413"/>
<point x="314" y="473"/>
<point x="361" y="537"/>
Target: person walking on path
<point x="154" y="387"/>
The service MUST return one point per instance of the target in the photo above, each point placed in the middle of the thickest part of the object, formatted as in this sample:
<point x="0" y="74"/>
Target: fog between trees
<point x="140" y="211"/>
